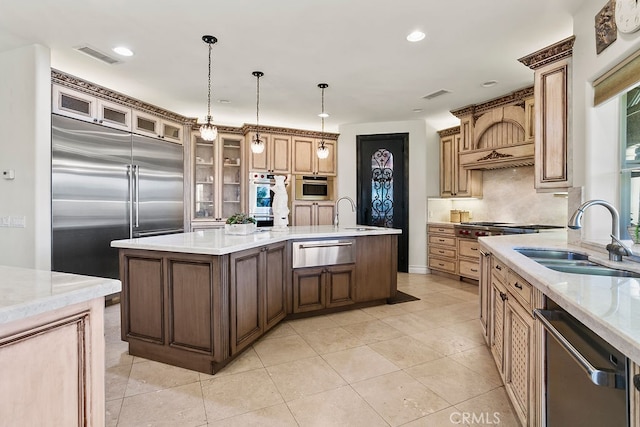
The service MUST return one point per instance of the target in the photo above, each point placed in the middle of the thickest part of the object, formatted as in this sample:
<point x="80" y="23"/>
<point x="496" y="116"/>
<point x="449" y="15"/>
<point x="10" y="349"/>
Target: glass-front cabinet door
<point x="232" y="177"/>
<point x="205" y="178"/>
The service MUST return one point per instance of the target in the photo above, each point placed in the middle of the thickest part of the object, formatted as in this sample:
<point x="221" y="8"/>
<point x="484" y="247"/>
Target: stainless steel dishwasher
<point x="313" y="253"/>
<point x="586" y="378"/>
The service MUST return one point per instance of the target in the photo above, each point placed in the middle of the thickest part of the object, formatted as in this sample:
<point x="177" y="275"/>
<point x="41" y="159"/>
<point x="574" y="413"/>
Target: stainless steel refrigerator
<point x="106" y="185"/>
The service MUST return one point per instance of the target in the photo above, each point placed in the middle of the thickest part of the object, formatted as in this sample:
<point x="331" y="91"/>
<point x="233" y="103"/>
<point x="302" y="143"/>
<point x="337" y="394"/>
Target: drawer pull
<point x="441" y="252"/>
<point x="474" y="270"/>
<point x="518" y="285"/>
<point x="440" y="264"/>
<point x="498" y="268"/>
<point x="503" y="296"/>
<point x="441" y="240"/>
<point x="474" y="249"/>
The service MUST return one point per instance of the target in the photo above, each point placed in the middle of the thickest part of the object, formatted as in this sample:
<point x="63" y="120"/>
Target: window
<point x="382" y="188"/>
<point x="630" y="144"/>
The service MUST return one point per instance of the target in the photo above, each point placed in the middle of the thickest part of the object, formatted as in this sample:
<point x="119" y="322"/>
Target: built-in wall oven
<point x="313" y="187"/>
<point x="586" y="379"/>
<point x="261" y="197"/>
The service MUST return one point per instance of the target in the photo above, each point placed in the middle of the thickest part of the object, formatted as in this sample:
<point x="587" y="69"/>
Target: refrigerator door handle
<point x="130" y="201"/>
<point x="136" y="173"/>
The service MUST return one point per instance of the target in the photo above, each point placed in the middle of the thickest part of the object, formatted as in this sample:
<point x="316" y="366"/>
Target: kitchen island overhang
<point x="197" y="300"/>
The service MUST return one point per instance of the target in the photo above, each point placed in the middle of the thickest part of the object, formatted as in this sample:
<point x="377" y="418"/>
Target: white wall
<point x="25" y="146"/>
<point x="423" y="177"/>
<point x="595" y="130"/>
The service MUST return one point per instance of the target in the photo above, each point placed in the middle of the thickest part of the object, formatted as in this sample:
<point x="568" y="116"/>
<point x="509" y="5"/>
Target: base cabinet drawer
<point x="470" y="269"/>
<point x="439" y="264"/>
<point x="442" y="252"/>
<point x="442" y="240"/>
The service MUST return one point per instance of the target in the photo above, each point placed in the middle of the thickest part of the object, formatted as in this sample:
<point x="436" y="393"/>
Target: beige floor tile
<point x="116" y="379"/>
<point x="385" y="310"/>
<point x="464" y="294"/>
<point x="331" y="340"/>
<point x="246" y="361"/>
<point x="304" y="377"/>
<point x="151" y="376"/>
<point x="179" y="406"/>
<point x="399" y="398"/>
<point x="410" y="323"/>
<point x="284" y="349"/>
<point x="450" y="416"/>
<point x="471" y="329"/>
<point x="441" y="299"/>
<point x="240" y="393"/>
<point x="422" y="304"/>
<point x="446" y="341"/>
<point x="311" y="324"/>
<point x="451" y="381"/>
<point x="339" y="407"/>
<point x="117" y="353"/>
<point x="360" y="363"/>
<point x="283" y="329"/>
<point x="273" y="416"/>
<point x="112" y="412"/>
<point x="373" y="331"/>
<point x="492" y="404"/>
<point x="405" y="351"/>
<point x="480" y="360"/>
<point x="350" y="317"/>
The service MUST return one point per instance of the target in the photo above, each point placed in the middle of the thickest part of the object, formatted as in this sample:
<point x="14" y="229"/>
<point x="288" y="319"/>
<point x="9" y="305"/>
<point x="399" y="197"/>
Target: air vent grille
<point x="436" y="94"/>
<point x="94" y="53"/>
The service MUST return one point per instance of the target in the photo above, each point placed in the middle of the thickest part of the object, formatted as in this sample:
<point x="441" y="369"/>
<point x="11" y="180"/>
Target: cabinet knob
<point x="503" y="296"/>
<point x="498" y="268"/>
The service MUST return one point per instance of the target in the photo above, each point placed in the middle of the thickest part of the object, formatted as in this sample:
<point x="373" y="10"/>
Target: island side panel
<point x="192" y="313"/>
<point x="376" y="267"/>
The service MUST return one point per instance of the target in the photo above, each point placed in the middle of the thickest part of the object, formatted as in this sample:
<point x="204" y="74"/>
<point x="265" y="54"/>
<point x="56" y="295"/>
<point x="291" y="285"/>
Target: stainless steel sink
<point x="551" y="254"/>
<point x="572" y="262"/>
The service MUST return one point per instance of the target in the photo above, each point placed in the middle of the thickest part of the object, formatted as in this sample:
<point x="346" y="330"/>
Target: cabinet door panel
<point x="302" y="213"/>
<point x="308" y="289"/>
<point x="324" y="214"/>
<point x="304" y="151"/>
<point x="258" y="162"/>
<point x="145" y="292"/>
<point x="190" y="288"/>
<point x="519" y="341"/>
<point x="328" y="166"/>
<point x="275" y="302"/>
<point x="340" y="285"/>
<point x="373" y="267"/>
<point x="246" y="286"/>
<point x="281" y="154"/>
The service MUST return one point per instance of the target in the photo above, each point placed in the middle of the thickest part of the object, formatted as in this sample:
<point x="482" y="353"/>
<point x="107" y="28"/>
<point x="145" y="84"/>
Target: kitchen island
<point x="52" y="347"/>
<point x="197" y="300"/>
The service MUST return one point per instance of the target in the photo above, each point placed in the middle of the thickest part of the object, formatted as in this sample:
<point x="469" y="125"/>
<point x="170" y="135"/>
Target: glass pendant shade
<point x="208" y="131"/>
<point x="257" y="145"/>
<point x="323" y="151"/>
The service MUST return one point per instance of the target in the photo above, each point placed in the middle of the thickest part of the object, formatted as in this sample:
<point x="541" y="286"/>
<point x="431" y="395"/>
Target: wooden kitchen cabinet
<point x="83" y="106"/>
<point x="468" y="258"/>
<point x="316" y="288"/>
<point x="257" y="278"/>
<point x="484" y="292"/>
<point x="375" y="270"/>
<point x="442" y="248"/>
<point x="276" y="157"/>
<point x="455" y="180"/>
<point x="312" y="213"/>
<point x="157" y="127"/>
<point x="552" y="94"/>
<point x="305" y="158"/>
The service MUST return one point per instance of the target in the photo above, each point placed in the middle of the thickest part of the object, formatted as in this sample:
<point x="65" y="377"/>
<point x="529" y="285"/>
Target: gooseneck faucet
<point x="353" y="208"/>
<point x="616" y="248"/>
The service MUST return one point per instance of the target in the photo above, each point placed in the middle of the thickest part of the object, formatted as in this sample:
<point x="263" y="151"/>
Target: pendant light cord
<point x="209" y="89"/>
<point x="258" y="107"/>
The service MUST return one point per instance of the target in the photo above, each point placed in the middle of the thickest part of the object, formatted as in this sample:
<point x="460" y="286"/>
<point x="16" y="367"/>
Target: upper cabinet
<point x="276" y="157"/>
<point x="552" y="83"/>
<point x="83" y="100"/>
<point x="455" y="180"/>
<point x="305" y="158"/>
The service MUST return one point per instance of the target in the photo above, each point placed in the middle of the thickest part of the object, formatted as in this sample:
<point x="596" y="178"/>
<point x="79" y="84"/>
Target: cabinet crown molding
<point x="246" y="128"/>
<point x="449" y="131"/>
<point x="555" y="52"/>
<point x="80" y="85"/>
<point x="513" y="98"/>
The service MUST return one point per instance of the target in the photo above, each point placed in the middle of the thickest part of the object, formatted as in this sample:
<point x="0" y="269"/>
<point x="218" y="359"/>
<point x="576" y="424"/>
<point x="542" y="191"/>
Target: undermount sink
<point x="572" y="262"/>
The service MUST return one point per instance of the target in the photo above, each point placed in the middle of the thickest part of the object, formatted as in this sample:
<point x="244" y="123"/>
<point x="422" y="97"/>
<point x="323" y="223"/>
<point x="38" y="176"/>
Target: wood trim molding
<point x="248" y="128"/>
<point x="514" y="98"/>
<point x="449" y="131"/>
<point x="618" y="78"/>
<point x="76" y="83"/>
<point x="555" y="52"/>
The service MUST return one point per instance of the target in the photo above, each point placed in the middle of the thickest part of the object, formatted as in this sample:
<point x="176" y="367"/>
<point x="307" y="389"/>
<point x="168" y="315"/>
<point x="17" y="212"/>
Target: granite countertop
<point x="610" y="306"/>
<point x="25" y="292"/>
<point x="216" y="242"/>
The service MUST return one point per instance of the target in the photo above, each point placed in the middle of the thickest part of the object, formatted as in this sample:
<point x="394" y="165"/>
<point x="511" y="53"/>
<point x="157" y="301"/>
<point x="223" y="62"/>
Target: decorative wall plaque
<point x="606" y="31"/>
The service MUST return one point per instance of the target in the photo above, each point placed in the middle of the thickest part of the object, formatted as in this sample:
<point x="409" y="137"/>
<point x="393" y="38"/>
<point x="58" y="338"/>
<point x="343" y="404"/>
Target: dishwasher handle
<point x="325" y="245"/>
<point x="603" y="377"/>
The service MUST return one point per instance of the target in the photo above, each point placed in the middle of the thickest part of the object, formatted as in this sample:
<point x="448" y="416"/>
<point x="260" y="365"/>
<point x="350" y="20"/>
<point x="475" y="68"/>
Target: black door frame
<point x="403" y="239"/>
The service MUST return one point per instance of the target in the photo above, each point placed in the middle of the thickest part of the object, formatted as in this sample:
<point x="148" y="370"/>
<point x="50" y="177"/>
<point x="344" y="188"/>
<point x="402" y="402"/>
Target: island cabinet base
<point x="200" y="311"/>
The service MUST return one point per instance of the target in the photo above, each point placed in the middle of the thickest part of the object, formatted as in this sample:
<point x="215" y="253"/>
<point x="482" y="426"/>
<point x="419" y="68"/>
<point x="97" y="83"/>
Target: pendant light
<point x="208" y="131"/>
<point x="323" y="151"/>
<point x="257" y="145"/>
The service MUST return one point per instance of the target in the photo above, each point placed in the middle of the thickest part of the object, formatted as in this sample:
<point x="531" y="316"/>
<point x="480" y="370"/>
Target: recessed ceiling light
<point x="323" y="115"/>
<point x="416" y="36"/>
<point x="490" y="83"/>
<point x="124" y="51"/>
<point x="417" y="110"/>
<point x="224" y="101"/>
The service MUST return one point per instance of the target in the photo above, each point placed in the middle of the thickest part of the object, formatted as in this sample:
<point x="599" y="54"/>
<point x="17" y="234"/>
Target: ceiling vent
<point x="87" y="50"/>
<point x="436" y="94"/>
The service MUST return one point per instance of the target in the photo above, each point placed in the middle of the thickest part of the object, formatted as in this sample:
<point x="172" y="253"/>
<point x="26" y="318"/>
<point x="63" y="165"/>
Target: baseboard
<point x="418" y="269"/>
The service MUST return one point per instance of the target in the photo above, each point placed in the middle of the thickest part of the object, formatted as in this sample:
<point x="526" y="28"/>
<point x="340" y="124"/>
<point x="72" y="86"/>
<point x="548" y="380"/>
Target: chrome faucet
<point x="353" y="208"/>
<point x="616" y="248"/>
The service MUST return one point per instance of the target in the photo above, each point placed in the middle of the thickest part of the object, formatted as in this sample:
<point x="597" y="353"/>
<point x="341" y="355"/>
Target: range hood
<point x="506" y="156"/>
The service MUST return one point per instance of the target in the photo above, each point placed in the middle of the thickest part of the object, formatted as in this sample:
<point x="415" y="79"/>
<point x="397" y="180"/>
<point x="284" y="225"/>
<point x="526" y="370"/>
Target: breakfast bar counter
<point x="197" y="300"/>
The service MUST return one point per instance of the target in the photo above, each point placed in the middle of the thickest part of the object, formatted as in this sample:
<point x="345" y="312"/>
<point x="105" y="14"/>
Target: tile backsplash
<point x="508" y="196"/>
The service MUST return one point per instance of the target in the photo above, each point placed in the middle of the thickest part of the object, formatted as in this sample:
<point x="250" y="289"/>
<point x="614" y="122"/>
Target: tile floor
<point x="419" y="363"/>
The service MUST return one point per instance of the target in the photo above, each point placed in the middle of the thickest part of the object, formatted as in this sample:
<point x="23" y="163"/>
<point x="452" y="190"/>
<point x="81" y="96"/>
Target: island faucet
<point x="616" y="248"/>
<point x="353" y="208"/>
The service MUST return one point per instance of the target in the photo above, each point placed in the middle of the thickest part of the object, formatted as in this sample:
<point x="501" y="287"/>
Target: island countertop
<point x="217" y="242"/>
<point x="610" y="306"/>
<point x="25" y="292"/>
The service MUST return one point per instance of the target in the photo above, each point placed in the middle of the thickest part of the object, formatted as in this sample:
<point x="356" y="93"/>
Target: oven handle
<point x="602" y="377"/>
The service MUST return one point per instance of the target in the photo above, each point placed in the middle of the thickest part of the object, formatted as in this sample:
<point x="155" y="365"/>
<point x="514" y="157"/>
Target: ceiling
<point x="358" y="47"/>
